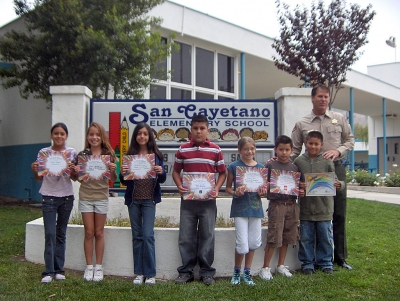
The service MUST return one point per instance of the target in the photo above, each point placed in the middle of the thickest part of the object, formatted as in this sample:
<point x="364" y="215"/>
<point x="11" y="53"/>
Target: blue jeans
<point x="316" y="244"/>
<point x="56" y="212"/>
<point x="196" y="236"/>
<point x="142" y="215"/>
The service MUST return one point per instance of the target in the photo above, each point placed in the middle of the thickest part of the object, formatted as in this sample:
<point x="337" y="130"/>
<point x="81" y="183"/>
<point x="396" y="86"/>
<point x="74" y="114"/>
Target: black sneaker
<point x="207" y="280"/>
<point x="343" y="264"/>
<point x="184" y="278"/>
<point x="327" y="271"/>
<point x="308" y="271"/>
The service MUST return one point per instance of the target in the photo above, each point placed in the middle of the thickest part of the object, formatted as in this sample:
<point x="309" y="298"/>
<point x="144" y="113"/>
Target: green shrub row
<point x="366" y="178"/>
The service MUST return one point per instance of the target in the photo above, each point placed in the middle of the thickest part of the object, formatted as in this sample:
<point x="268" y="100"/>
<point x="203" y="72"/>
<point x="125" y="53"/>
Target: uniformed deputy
<point x="338" y="140"/>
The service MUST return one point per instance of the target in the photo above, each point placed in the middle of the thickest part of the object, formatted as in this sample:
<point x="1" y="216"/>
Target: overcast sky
<point x="260" y="16"/>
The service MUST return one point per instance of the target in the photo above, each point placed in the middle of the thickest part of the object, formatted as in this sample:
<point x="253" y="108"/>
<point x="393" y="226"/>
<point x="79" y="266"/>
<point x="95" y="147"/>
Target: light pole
<point x="392" y="43"/>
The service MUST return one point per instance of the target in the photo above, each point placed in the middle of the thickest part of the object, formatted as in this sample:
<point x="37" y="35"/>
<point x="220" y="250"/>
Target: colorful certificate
<point x="140" y="166"/>
<point x="93" y="167"/>
<point x="320" y="184"/>
<point x="54" y="164"/>
<point x="200" y="186"/>
<point x="284" y="182"/>
<point x="251" y="178"/>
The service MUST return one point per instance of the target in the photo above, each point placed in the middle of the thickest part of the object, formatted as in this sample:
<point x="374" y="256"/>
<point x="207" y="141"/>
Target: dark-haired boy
<point x="316" y="212"/>
<point x="283" y="213"/>
<point x="197" y="218"/>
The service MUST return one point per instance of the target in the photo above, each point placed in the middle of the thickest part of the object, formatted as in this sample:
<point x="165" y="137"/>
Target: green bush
<point x="393" y="179"/>
<point x="349" y="176"/>
<point x="365" y="178"/>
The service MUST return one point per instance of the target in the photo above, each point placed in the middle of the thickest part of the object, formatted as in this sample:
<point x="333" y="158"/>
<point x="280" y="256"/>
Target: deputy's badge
<point x="295" y="128"/>
<point x="334" y="121"/>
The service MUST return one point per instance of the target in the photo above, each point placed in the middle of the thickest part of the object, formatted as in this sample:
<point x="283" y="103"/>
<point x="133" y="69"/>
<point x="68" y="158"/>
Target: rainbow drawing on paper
<point x="93" y="167"/>
<point x="320" y="184"/>
<point x="140" y="166"/>
<point x="251" y="179"/>
<point x="200" y="186"/>
<point x="284" y="182"/>
<point x="54" y="164"/>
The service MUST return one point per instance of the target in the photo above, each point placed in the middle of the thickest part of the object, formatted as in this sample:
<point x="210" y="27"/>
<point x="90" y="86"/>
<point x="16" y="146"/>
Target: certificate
<point x="92" y="167"/>
<point x="320" y="184"/>
<point x="251" y="178"/>
<point x="284" y="182"/>
<point x="140" y="166"/>
<point x="200" y="186"/>
<point x="54" y="164"/>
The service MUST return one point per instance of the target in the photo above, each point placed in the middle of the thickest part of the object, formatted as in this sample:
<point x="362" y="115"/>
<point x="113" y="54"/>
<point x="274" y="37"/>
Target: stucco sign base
<point x="118" y="257"/>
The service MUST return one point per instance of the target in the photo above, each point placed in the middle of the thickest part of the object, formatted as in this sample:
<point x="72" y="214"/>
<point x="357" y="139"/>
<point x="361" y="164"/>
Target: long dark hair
<point x="151" y="144"/>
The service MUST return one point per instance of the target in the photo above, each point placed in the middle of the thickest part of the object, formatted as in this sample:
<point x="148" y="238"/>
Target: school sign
<point x="170" y="121"/>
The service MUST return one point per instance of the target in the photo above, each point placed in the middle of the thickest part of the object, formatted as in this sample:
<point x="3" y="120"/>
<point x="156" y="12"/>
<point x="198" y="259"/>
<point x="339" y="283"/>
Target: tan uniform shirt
<point x="334" y="127"/>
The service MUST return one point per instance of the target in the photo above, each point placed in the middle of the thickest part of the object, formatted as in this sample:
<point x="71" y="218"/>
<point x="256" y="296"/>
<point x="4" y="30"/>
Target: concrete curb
<point x="390" y="190"/>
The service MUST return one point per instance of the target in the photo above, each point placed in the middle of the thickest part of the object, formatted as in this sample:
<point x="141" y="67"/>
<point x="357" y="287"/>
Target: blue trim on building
<point x="373" y="162"/>
<point x="242" y="76"/>
<point x="16" y="178"/>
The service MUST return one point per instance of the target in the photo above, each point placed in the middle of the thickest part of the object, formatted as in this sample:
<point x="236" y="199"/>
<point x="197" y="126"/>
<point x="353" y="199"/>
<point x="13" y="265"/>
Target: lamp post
<point x="392" y="43"/>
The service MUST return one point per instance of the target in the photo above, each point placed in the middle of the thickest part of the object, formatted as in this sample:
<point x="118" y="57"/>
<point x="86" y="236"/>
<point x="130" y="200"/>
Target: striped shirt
<point x="206" y="157"/>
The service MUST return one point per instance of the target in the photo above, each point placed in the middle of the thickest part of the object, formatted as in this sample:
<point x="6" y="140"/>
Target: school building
<point x="217" y="61"/>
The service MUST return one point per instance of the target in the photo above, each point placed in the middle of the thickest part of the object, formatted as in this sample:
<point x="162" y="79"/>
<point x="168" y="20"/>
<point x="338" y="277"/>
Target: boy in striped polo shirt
<point x="197" y="218"/>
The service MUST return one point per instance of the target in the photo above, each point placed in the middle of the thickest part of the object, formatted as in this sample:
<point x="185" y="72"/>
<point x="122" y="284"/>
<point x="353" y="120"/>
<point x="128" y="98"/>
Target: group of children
<point x="197" y="217"/>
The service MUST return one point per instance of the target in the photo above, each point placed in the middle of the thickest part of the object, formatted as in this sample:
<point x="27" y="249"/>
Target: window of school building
<point x="196" y="73"/>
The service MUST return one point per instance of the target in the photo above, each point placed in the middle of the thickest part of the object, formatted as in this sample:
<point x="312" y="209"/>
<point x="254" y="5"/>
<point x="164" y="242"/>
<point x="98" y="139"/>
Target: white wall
<point x="293" y="103"/>
<point x="389" y="73"/>
<point x="118" y="256"/>
<point x="23" y="121"/>
<point x="392" y="126"/>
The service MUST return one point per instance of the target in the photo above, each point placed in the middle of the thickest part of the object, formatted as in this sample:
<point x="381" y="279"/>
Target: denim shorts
<point x="283" y="222"/>
<point x="100" y="207"/>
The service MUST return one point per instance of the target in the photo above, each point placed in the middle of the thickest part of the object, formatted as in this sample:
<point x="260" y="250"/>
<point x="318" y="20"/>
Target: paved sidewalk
<point x="374" y="196"/>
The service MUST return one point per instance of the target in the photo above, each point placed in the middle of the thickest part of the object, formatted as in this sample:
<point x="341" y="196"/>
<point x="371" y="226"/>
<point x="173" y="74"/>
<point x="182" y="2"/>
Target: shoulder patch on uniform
<point x="295" y="128"/>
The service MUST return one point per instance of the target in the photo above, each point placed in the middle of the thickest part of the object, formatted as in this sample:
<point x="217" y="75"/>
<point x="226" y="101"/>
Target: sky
<point x="260" y="16"/>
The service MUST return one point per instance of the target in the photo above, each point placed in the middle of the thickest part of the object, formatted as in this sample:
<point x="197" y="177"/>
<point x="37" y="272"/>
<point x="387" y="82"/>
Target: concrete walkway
<point x="392" y="197"/>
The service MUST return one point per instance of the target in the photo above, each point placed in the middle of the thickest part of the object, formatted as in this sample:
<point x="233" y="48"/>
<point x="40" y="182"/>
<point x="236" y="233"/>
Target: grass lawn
<point x="373" y="238"/>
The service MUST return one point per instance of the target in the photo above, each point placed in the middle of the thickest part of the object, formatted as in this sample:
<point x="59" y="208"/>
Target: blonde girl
<point x="93" y="201"/>
<point x="247" y="212"/>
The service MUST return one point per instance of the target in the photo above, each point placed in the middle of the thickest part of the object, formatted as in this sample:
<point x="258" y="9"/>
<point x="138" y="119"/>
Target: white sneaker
<point x="59" y="277"/>
<point x="88" y="276"/>
<point x="47" y="279"/>
<point x="265" y="274"/>
<point x="138" y="280"/>
<point x="98" y="274"/>
<point x="284" y="270"/>
<point x="150" y="281"/>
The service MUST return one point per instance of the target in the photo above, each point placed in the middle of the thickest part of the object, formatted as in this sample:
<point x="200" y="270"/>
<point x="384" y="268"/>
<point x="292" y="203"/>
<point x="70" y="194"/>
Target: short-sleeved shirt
<point x="58" y="186"/>
<point x="280" y="166"/>
<point x="249" y="204"/>
<point x="204" y="158"/>
<point x="333" y="126"/>
<point x="94" y="190"/>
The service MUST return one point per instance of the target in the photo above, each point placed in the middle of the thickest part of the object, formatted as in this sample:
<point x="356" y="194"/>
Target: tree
<point x="102" y="44"/>
<point x="320" y="45"/>
<point x="361" y="132"/>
